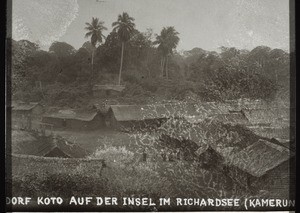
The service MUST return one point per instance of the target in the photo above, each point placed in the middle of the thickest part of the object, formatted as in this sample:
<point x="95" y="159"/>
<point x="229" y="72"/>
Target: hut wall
<point x="97" y="122"/>
<point x="241" y="178"/>
<point x="211" y="159"/>
<point x="111" y="121"/>
<point x="76" y="124"/>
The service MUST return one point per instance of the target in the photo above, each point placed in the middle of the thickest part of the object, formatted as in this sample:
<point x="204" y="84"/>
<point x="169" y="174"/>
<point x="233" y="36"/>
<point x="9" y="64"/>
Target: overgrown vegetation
<point x="151" y="73"/>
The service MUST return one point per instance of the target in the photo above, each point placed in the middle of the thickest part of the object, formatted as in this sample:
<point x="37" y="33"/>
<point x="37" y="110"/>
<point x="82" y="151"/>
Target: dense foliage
<point x="147" y="70"/>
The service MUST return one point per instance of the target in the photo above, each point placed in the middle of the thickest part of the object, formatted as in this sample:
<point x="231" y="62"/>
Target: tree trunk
<point x="121" y="65"/>
<point x="167" y="73"/>
<point x="92" y="63"/>
<point x="92" y="71"/>
<point x="147" y="64"/>
<point x="162" y="66"/>
<point x="41" y="88"/>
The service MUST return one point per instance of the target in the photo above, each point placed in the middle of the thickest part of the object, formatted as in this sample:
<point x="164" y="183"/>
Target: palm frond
<point x="88" y="34"/>
<point x="95" y="29"/>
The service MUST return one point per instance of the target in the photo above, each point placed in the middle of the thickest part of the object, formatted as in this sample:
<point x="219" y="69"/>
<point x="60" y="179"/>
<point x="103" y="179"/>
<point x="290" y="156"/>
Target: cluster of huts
<point x="37" y="144"/>
<point x="257" y="156"/>
<point x="261" y="162"/>
<point x="264" y="121"/>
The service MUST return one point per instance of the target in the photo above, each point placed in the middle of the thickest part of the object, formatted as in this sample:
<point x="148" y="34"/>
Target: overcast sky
<point x="207" y="24"/>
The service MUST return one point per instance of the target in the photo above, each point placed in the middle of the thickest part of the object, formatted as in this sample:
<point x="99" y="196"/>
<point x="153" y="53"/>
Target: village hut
<point x="271" y="132"/>
<point x="239" y="104"/>
<point x="223" y="138"/>
<point x="177" y="133"/>
<point x="130" y="117"/>
<point x="232" y="118"/>
<point x="261" y="165"/>
<point x="107" y="90"/>
<point x="210" y="157"/>
<point x="24" y="113"/>
<point x="268" y="116"/>
<point x="68" y="119"/>
<point x="243" y="157"/>
<point x="29" y="108"/>
<point x="102" y="106"/>
<point x="28" y="144"/>
<point x="283" y="142"/>
<point x="208" y="110"/>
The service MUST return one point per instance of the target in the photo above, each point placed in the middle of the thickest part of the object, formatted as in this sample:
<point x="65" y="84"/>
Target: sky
<point x="207" y="24"/>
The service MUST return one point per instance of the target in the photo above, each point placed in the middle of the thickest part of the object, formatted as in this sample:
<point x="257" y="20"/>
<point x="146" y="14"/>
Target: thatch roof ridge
<point x="83" y="116"/>
<point x="24" y="106"/>
<point x="151" y="111"/>
<point x="234" y="118"/>
<point x="22" y="156"/>
<point x="260" y="157"/>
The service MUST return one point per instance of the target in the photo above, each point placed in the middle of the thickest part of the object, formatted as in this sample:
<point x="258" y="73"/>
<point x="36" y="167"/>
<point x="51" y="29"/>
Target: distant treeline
<point x="228" y="74"/>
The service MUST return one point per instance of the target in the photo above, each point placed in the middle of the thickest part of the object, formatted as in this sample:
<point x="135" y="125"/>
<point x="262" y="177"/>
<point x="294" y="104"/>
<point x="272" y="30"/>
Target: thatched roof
<point x="267" y="116"/>
<point x="193" y="112"/>
<point x="211" y="132"/>
<point x="240" y="104"/>
<point x="232" y="118"/>
<point x="180" y="129"/>
<point x="155" y="111"/>
<point x="213" y="108"/>
<point x="281" y="142"/>
<point x="260" y="157"/>
<point x="22" y="106"/>
<point x="42" y="146"/>
<point x="70" y="114"/>
<point x="271" y="132"/>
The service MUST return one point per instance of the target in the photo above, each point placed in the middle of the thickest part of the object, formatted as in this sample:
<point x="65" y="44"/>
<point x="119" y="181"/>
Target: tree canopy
<point x="95" y="31"/>
<point x="124" y="26"/>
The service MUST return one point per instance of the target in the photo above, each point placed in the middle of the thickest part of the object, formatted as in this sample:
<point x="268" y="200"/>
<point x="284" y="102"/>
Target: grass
<point x="24" y="164"/>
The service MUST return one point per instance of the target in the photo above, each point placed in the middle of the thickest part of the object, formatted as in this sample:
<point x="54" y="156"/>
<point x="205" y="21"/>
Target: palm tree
<point x="167" y="41"/>
<point x="124" y="27"/>
<point x="95" y="29"/>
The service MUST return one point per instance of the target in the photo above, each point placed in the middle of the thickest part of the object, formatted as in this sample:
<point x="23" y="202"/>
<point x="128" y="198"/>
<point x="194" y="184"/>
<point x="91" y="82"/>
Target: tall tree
<point x="95" y="29"/>
<point x="61" y="49"/>
<point x="124" y="27"/>
<point x="167" y="41"/>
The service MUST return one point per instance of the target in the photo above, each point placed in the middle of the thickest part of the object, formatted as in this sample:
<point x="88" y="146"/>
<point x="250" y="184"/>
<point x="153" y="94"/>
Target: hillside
<point x="62" y="76"/>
